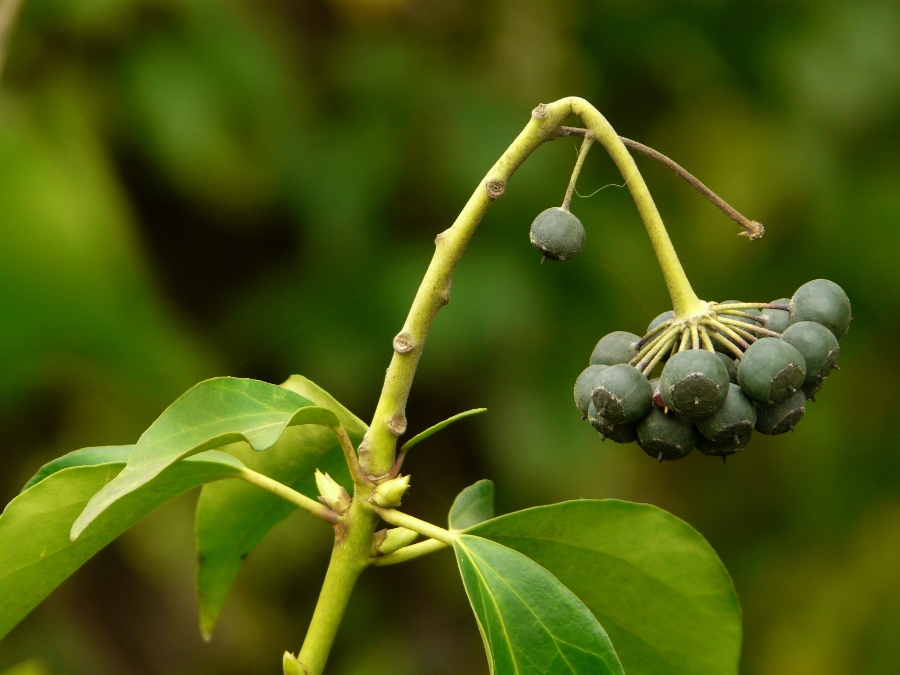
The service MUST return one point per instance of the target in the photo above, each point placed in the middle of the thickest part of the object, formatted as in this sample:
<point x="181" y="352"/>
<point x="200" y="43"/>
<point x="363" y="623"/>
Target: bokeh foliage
<point x="192" y="188"/>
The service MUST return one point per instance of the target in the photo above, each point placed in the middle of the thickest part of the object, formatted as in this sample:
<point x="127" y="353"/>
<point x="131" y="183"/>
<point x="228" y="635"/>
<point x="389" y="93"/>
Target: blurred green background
<point x="200" y="188"/>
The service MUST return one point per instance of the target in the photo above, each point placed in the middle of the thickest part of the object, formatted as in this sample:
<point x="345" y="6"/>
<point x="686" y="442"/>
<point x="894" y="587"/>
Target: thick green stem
<point x="389" y="422"/>
<point x="350" y="556"/>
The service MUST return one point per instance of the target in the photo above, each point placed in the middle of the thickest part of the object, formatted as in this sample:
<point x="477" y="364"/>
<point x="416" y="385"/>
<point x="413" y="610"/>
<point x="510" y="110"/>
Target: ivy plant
<point x="579" y="587"/>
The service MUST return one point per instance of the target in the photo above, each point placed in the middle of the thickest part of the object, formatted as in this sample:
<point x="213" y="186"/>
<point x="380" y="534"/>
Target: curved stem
<point x="389" y="422"/>
<point x="377" y="449"/>
<point x="684" y="301"/>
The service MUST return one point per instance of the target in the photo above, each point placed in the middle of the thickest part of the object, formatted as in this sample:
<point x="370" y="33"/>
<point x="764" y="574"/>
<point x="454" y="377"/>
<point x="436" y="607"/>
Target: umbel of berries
<point x="759" y="378"/>
<point x="705" y="374"/>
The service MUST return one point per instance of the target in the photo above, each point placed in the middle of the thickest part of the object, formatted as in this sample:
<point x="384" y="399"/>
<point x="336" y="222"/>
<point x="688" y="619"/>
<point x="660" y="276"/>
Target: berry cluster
<point x="728" y="369"/>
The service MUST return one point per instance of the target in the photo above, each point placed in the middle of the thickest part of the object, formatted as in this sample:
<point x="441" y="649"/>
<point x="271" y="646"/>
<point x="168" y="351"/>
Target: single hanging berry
<point x="557" y="234"/>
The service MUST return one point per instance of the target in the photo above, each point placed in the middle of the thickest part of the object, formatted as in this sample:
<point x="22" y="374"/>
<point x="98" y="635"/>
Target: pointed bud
<point x="388" y="541"/>
<point x="331" y="494"/>
<point x="291" y="665"/>
<point x="389" y="493"/>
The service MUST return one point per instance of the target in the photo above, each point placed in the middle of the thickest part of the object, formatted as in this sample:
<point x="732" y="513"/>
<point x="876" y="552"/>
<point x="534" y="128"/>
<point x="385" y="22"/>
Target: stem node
<point x="403" y="343"/>
<point x="397" y="424"/>
<point x="495" y="188"/>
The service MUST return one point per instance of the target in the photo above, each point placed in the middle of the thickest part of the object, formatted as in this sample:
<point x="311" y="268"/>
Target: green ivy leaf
<point x="36" y="553"/>
<point x="472" y="506"/>
<point x="530" y="623"/>
<point x="653" y="581"/>
<point x="233" y="517"/>
<point x="211" y="414"/>
<point x="99" y="455"/>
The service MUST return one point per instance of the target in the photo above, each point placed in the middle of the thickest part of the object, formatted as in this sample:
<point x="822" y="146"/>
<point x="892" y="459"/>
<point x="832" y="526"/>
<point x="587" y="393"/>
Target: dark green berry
<point x="557" y="234"/>
<point x="824" y="302"/>
<point x="622" y="395"/>
<point x="694" y="383"/>
<point x="662" y="318"/>
<point x="665" y="436"/>
<point x="820" y="350"/>
<point x="729" y="428"/>
<point x="778" y="319"/>
<point x="782" y="417"/>
<point x="771" y="371"/>
<point x="584" y="385"/>
<point x="616" y="347"/>
<point x="730" y="365"/>
<point x="619" y="433"/>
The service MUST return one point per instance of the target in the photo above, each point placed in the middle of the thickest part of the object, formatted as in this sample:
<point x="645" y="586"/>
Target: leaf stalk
<point x="298" y="499"/>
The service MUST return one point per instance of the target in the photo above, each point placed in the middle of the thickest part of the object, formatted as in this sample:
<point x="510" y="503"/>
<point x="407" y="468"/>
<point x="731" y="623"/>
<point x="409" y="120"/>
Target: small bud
<point x="291" y="665"/>
<point x="331" y="494"/>
<point x="389" y="494"/>
<point x="388" y="541"/>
